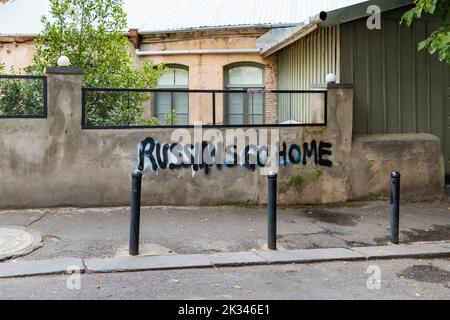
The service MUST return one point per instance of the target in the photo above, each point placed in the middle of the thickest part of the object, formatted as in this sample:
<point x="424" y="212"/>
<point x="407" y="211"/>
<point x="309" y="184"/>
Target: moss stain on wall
<point x="299" y="181"/>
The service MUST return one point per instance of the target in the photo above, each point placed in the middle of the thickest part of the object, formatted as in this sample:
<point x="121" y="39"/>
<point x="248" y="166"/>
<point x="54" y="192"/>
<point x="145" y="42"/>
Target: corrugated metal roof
<point x="22" y="17"/>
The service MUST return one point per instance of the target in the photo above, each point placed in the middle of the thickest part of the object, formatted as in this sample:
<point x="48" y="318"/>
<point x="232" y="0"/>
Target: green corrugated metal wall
<point x="397" y="88"/>
<point x="303" y="64"/>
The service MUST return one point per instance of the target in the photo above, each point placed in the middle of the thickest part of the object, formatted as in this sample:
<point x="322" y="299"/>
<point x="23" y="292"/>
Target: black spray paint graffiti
<point x="154" y="156"/>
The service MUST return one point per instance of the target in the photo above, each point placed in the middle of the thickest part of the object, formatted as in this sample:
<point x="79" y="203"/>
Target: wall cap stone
<point x="396" y="137"/>
<point x="332" y="86"/>
<point x="63" y="70"/>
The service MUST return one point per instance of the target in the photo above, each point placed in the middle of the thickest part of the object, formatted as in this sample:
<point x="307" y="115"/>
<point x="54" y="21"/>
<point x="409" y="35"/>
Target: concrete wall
<point x="418" y="157"/>
<point x="53" y="162"/>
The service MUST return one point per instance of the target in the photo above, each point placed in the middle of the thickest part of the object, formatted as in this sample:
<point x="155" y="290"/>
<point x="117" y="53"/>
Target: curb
<point x="40" y="267"/>
<point x="228" y="259"/>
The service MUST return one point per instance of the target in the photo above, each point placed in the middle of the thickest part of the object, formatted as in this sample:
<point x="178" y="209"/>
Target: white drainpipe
<point x="200" y="51"/>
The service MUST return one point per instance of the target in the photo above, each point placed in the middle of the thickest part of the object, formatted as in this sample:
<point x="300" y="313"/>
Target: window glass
<point x="176" y="78"/>
<point x="166" y="79"/>
<point x="235" y="103"/>
<point x="245" y="76"/>
<point x="181" y="101"/>
<point x="181" y="77"/>
<point x="245" y="108"/>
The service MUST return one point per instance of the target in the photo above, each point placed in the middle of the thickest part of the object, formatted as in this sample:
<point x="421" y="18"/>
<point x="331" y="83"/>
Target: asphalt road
<point x="399" y="279"/>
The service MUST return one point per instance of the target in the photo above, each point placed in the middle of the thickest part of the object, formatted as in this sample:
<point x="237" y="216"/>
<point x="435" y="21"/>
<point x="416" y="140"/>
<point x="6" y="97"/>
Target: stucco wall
<point x="418" y="157"/>
<point x="53" y="162"/>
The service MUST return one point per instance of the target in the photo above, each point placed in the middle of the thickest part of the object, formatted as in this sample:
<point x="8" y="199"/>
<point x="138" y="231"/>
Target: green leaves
<point x="171" y="117"/>
<point x="21" y="97"/>
<point x="91" y="34"/>
<point x="439" y="40"/>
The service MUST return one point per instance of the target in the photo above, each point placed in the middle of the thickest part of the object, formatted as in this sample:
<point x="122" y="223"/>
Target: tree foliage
<point x="91" y="34"/>
<point x="171" y="117"/>
<point x="20" y="96"/>
<point x="439" y="40"/>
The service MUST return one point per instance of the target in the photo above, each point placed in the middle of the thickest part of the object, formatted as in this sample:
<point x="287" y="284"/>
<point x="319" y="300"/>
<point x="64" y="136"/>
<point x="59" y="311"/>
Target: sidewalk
<point x="99" y="233"/>
<point x="181" y="237"/>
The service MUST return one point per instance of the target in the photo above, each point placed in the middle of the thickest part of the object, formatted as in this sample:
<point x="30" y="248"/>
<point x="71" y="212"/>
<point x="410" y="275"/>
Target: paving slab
<point x="444" y="244"/>
<point x="141" y="263"/>
<point x="309" y="255"/>
<point x="235" y="259"/>
<point x="40" y="267"/>
<point x="145" y="249"/>
<point x="405" y="251"/>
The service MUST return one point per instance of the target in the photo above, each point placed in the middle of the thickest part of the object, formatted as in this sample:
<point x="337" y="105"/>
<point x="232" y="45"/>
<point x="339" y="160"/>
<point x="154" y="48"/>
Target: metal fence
<point x="23" y="96"/>
<point x="120" y="108"/>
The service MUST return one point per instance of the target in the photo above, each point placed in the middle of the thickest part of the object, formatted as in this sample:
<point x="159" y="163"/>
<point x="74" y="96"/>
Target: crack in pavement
<point x="301" y="234"/>
<point x="329" y="232"/>
<point x="42" y="216"/>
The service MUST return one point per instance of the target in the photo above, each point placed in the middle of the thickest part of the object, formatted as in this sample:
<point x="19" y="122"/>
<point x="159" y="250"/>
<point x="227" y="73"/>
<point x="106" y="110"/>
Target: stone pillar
<point x="337" y="187"/>
<point x="64" y="99"/>
<point x="64" y="114"/>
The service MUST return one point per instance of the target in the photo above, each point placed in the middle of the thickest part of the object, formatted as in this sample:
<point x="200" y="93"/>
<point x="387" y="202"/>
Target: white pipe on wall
<point x="199" y="51"/>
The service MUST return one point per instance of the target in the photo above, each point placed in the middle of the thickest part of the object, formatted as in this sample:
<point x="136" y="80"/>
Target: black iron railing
<point x="120" y="108"/>
<point x="23" y="96"/>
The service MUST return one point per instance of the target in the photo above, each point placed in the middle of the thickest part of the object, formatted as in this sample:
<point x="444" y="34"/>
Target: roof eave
<point x="333" y="17"/>
<point x="358" y="11"/>
<point x="194" y="29"/>
<point x="277" y="39"/>
<point x="18" y="35"/>
<point x="284" y="41"/>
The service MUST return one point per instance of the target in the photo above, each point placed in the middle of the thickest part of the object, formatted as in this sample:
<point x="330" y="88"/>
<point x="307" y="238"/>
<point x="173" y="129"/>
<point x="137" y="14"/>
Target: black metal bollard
<point x="136" y="179"/>
<point x="395" y="206"/>
<point x="272" y="212"/>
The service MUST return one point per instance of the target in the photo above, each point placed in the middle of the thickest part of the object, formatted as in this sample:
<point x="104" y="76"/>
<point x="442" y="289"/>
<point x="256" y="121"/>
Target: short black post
<point x="136" y="179"/>
<point x="272" y="211"/>
<point x="395" y="206"/>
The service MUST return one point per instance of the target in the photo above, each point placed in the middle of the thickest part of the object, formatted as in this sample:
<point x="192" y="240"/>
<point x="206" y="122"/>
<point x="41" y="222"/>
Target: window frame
<point x="246" y="96"/>
<point x="173" y="66"/>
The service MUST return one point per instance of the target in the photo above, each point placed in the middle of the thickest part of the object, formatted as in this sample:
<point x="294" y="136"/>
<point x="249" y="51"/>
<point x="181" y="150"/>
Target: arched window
<point x="245" y="108"/>
<point x="176" y="77"/>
